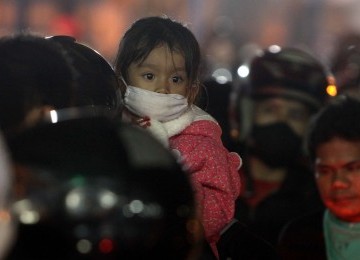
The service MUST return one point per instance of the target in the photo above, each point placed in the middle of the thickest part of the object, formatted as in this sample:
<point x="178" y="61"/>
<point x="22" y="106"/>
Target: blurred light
<point x="78" y="180"/>
<point x="74" y="199"/>
<point x="274" y="48"/>
<point x="222" y="75"/>
<point x="243" y="71"/>
<point x="136" y="206"/>
<point x="54" y="116"/>
<point x="106" y="246"/>
<point x="26" y="212"/>
<point x="84" y="246"/>
<point x="331" y="90"/>
<point x="153" y="210"/>
<point x="29" y="217"/>
<point x="107" y="199"/>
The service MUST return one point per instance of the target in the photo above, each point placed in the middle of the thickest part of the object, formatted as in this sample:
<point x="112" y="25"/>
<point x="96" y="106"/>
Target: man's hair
<point x="338" y="119"/>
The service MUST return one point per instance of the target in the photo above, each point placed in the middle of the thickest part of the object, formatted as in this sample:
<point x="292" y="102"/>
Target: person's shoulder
<point x="303" y="237"/>
<point x="309" y="221"/>
<point x="303" y="228"/>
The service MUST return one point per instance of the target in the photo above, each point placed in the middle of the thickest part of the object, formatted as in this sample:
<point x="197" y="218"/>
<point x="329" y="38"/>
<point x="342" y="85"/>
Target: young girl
<point x="158" y="62"/>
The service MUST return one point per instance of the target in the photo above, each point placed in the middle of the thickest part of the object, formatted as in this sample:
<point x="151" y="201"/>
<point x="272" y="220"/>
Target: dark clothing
<point x="40" y="243"/>
<point x="238" y="242"/>
<point x="303" y="238"/>
<point x="295" y="196"/>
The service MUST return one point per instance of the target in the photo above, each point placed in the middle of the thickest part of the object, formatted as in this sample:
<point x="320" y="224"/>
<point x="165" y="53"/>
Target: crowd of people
<point x="149" y="158"/>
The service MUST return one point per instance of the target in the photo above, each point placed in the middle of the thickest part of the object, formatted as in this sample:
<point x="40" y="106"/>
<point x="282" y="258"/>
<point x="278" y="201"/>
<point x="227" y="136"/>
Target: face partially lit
<point x="337" y="171"/>
<point x="162" y="71"/>
<point x="292" y="112"/>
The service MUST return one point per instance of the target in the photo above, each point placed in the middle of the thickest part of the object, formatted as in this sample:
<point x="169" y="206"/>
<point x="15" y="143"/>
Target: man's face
<point x="337" y="171"/>
<point x="277" y="109"/>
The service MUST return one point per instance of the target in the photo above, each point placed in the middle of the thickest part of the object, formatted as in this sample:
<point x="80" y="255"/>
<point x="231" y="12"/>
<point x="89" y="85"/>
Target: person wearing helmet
<point x="92" y="188"/>
<point x="97" y="84"/>
<point x="35" y="77"/>
<point x="286" y="86"/>
<point x="40" y="74"/>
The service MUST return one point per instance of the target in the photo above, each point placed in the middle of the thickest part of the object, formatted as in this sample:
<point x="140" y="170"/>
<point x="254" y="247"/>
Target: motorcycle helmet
<point x="288" y="72"/>
<point x="97" y="84"/>
<point x="279" y="72"/>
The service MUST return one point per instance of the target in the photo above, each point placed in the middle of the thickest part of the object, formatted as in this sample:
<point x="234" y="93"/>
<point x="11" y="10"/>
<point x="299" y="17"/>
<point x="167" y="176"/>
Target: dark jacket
<point x="296" y="196"/>
<point x="303" y="238"/>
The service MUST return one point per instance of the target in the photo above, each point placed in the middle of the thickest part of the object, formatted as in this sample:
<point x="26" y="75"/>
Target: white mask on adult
<point x="158" y="106"/>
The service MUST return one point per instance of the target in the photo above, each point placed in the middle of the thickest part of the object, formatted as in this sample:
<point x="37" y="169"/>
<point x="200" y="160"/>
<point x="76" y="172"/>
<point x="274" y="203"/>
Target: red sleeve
<point x="214" y="172"/>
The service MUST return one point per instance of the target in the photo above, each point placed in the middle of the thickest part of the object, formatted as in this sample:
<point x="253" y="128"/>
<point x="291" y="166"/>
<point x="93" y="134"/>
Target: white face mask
<point x="161" y="107"/>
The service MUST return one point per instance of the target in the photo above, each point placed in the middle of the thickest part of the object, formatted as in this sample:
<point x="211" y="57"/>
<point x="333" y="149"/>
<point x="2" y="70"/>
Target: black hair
<point x="339" y="118"/>
<point x="148" y="33"/>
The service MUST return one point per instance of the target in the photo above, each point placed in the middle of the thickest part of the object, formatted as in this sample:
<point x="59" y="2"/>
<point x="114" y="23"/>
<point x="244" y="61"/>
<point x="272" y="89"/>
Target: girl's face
<point x="162" y="71"/>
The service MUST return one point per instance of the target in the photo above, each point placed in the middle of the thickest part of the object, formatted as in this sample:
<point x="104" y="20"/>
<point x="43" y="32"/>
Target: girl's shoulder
<point x="200" y="114"/>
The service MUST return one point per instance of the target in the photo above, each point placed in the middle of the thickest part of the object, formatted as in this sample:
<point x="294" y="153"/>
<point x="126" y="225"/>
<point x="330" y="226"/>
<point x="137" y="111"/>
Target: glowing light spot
<point x="84" y="246"/>
<point x="331" y="90"/>
<point x="243" y="71"/>
<point x="54" y="116"/>
<point x="274" y="48"/>
<point x="26" y="212"/>
<point x="29" y="217"/>
<point x="73" y="200"/>
<point x="106" y="246"/>
<point x="136" y="206"/>
<point x="107" y="199"/>
<point x="222" y="75"/>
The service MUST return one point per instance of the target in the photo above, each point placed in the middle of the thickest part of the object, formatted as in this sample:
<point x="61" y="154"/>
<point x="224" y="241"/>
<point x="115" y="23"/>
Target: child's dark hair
<point x="339" y="119"/>
<point x="148" y="33"/>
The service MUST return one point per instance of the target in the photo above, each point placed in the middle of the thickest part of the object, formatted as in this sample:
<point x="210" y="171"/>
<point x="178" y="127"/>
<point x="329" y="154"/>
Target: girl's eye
<point x="177" y="79"/>
<point x="148" y="76"/>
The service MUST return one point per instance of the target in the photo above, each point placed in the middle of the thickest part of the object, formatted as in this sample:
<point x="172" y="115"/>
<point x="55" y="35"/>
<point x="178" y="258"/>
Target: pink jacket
<point x="196" y="138"/>
<point x="214" y="173"/>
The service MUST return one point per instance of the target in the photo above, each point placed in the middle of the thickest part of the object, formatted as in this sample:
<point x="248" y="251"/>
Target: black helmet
<point x="96" y="189"/>
<point x="288" y="72"/>
<point x="97" y="84"/>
